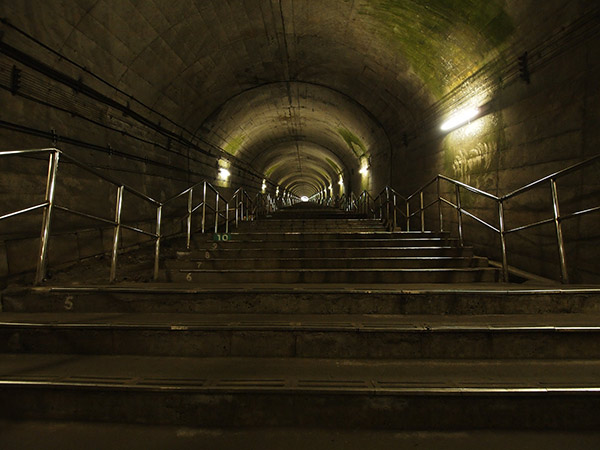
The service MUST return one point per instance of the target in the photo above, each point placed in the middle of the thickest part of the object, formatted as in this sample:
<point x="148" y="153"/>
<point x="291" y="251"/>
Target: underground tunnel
<point x="474" y="121"/>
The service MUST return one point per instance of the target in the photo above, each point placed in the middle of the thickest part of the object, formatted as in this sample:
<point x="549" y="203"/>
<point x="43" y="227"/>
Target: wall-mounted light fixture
<point x="460" y="118"/>
<point x="224" y="173"/>
<point x="277" y="191"/>
<point x="264" y="186"/>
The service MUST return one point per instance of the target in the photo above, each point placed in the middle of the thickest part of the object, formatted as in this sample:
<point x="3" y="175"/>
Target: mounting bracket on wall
<point x="15" y="80"/>
<point x="524" y="68"/>
<point x="54" y="137"/>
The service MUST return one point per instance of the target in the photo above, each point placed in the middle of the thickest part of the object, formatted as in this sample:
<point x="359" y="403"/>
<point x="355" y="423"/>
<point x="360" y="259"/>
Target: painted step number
<point x="221" y="237"/>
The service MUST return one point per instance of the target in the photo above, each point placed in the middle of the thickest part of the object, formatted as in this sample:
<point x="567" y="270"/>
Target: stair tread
<point x="300" y="374"/>
<point x="420" y="270"/>
<point x="252" y="321"/>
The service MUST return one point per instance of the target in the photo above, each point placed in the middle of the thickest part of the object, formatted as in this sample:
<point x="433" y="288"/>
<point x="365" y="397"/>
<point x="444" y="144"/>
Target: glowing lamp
<point x="224" y="173"/>
<point x="460" y="118"/>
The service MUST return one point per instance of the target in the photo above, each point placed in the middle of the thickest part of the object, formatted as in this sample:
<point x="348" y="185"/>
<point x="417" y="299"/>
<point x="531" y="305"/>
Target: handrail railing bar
<point x="196" y="208"/>
<point x="107" y="221"/>
<point x="554" y="175"/>
<point x="481" y="221"/>
<point x="531" y="225"/>
<point x="23" y="211"/>
<point x="28" y="151"/>
<point x="82" y="214"/>
<point x="469" y="188"/>
<point x="110" y="179"/>
<point x="422" y="188"/>
<point x="579" y="213"/>
<point x="448" y="202"/>
<point x="138" y="230"/>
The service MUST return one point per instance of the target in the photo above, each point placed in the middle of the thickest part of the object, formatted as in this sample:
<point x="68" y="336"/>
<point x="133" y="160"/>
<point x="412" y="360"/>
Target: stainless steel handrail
<point x="388" y="205"/>
<point x="49" y="204"/>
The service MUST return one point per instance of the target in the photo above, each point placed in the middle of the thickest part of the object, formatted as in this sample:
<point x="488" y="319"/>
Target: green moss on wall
<point x="234" y="144"/>
<point x="441" y="39"/>
<point x="354" y="143"/>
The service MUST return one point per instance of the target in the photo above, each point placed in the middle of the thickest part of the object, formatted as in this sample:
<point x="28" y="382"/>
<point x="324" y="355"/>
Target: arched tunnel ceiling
<point x="250" y="75"/>
<point x="302" y="124"/>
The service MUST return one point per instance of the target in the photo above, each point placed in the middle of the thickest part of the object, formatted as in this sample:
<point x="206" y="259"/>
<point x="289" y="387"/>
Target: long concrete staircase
<point x="314" y="328"/>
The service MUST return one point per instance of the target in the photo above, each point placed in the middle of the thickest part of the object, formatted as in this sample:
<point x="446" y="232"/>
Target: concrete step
<point x="326" y="236"/>
<point x="325" y="263"/>
<point x="451" y="299"/>
<point x="68" y="435"/>
<point x="530" y="337"/>
<point x="359" y="242"/>
<point x="226" y="252"/>
<point x="349" y="276"/>
<point x="303" y="393"/>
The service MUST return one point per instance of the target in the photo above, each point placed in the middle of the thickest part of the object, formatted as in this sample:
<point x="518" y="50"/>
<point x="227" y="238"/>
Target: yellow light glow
<point x="277" y="191"/>
<point x="460" y="118"/>
<point x="264" y="186"/>
<point x="224" y="173"/>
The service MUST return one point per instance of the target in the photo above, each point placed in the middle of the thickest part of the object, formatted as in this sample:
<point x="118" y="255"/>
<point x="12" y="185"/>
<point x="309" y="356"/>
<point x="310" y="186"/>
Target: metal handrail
<point x="388" y="206"/>
<point x="49" y="204"/>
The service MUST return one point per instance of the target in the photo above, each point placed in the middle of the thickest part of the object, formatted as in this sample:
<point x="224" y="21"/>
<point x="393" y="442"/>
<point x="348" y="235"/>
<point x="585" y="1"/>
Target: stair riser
<point x="341" y="277"/>
<point x="299" y="343"/>
<point x="227" y="409"/>
<point x="233" y="253"/>
<point x="349" y="243"/>
<point x="308" y="263"/>
<point x="319" y="302"/>
<point x="317" y="236"/>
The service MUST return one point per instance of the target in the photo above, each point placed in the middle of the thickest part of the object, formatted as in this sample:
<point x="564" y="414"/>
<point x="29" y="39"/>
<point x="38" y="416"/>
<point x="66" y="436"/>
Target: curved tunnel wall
<point x="298" y="93"/>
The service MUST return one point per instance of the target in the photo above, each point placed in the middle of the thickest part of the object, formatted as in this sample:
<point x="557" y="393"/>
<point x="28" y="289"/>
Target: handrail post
<point x="439" y="201"/>
<point x="47" y="217"/>
<point x="422" y="200"/>
<point x="237" y="204"/>
<point x="395" y="213"/>
<point x="564" y="274"/>
<point x="158" y="239"/>
<point x="387" y="205"/>
<point x="204" y="208"/>
<point x="217" y="212"/>
<point x="117" y="233"/>
<point x="503" y="241"/>
<point x="226" y="218"/>
<point x="459" y="216"/>
<point x="407" y="215"/>
<point x="189" y="217"/>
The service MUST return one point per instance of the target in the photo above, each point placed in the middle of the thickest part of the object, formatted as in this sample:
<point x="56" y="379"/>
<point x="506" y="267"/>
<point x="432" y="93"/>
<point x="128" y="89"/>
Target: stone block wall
<point x="529" y="131"/>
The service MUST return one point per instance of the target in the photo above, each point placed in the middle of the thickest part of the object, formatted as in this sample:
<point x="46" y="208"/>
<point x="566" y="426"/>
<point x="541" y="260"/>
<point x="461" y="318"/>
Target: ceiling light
<point x="460" y="118"/>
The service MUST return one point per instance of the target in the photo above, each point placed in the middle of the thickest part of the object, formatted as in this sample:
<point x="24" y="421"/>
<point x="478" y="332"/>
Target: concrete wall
<point x="529" y="131"/>
<point x="116" y="145"/>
